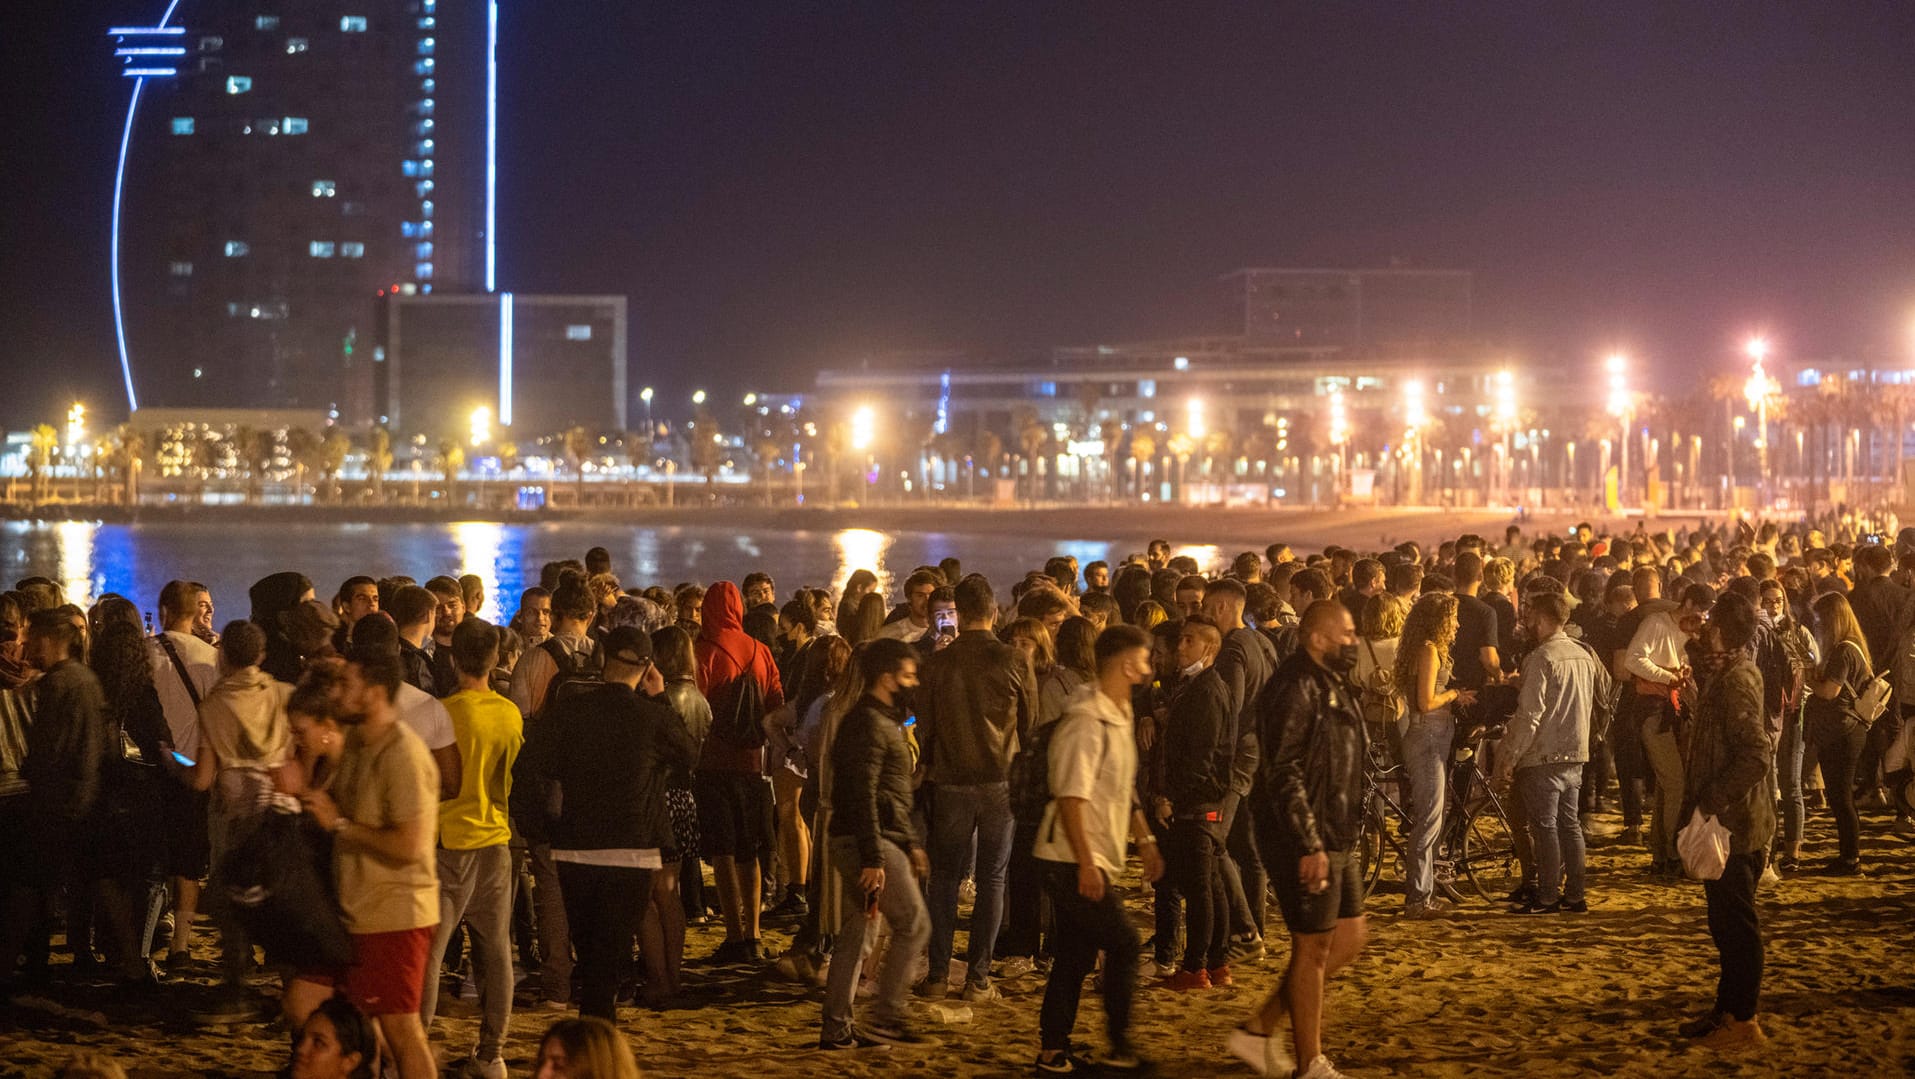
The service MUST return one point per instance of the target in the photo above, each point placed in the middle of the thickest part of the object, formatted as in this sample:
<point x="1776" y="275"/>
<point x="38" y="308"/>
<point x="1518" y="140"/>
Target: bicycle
<point x="1475" y="844"/>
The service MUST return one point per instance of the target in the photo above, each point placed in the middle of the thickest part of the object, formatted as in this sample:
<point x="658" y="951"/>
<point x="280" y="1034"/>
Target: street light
<point x="1505" y="419"/>
<point x="1758" y="389"/>
<point x="1339" y="434"/>
<point x="698" y="397"/>
<point x="1415" y="417"/>
<point x="75" y="427"/>
<point x="864" y="423"/>
<point x="651" y="432"/>
<point x="1621" y="407"/>
<point x="1195" y="411"/>
<point x="481" y="426"/>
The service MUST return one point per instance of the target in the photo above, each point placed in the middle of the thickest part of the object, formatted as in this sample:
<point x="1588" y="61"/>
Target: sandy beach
<point x="1478" y="993"/>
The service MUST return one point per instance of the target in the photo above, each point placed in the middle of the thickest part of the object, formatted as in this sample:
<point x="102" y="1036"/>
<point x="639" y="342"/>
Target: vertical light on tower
<point x="505" y="359"/>
<point x="119" y="190"/>
<point x="492" y="153"/>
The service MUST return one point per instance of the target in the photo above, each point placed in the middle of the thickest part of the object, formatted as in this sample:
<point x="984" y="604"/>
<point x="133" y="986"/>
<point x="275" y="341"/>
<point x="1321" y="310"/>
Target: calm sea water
<point x="137" y="560"/>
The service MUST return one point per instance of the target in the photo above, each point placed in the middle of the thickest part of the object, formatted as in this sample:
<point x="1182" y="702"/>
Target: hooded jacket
<point x="724" y="652"/>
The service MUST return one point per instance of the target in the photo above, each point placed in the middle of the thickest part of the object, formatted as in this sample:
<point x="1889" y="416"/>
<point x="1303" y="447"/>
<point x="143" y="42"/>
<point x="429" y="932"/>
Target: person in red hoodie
<point x="733" y="793"/>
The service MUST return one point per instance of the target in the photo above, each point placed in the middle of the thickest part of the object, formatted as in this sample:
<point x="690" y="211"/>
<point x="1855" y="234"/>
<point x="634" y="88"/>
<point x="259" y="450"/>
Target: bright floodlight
<point x="864" y="423"/>
<point x="481" y="425"/>
<point x="1618" y="365"/>
<point x="751" y="399"/>
<point x="1757" y="349"/>
<point x="645" y="395"/>
<point x="1414" y="415"/>
<point x="698" y="397"/>
<point x="1196" y="426"/>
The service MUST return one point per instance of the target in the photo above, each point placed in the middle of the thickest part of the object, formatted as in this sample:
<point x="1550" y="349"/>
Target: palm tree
<point x="378" y="463"/>
<point x="332" y="457"/>
<point x="768" y="450"/>
<point x="577" y="446"/>
<point x="1143" y="454"/>
<point x="40" y="459"/>
<point x="307" y="452"/>
<point x="451" y="458"/>
<point x="129" y="457"/>
<point x="1032" y="437"/>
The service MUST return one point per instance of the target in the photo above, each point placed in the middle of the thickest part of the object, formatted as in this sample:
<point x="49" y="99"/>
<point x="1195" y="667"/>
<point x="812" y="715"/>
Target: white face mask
<point x="1193" y="670"/>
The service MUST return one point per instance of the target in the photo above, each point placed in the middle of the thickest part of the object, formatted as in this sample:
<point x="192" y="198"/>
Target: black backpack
<point x="1030" y="776"/>
<point x="738" y="710"/>
<point x="578" y="672"/>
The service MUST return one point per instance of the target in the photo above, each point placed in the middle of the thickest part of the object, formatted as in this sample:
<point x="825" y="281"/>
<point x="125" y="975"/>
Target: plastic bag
<point x="1703" y="844"/>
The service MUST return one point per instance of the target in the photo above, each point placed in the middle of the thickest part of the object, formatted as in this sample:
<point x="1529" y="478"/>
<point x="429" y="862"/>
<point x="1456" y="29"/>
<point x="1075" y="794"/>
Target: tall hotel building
<point x="284" y="165"/>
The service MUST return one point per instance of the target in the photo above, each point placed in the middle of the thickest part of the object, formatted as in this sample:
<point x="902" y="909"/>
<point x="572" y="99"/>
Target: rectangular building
<point x="1355" y="309"/>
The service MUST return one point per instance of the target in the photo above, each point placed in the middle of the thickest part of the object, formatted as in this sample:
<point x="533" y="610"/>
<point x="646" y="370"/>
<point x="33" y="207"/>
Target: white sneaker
<point x="493" y="1069"/>
<point x="979" y="993"/>
<point x="1015" y="967"/>
<point x="1769" y="876"/>
<point x="1320" y="1068"/>
<point x="1266" y="1054"/>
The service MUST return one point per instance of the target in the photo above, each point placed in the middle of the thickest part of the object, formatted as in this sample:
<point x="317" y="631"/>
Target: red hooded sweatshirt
<point x="725" y="651"/>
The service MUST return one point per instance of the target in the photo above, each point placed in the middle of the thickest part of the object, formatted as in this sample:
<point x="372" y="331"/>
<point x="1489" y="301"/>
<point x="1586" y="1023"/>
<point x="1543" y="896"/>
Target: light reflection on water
<point x="89" y="559"/>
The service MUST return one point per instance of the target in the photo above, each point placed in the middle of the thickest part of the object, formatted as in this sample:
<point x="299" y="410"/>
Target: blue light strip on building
<point x="152" y="50"/>
<point x="119" y="190"/>
<point x="505" y="359"/>
<point x="492" y="154"/>
<point x="143" y="72"/>
<point x="141" y="31"/>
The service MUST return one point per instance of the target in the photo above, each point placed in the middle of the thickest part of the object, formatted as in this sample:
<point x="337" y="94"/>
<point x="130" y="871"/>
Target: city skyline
<point x="779" y="193"/>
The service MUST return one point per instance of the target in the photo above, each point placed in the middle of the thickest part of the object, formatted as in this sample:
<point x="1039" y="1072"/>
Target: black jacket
<point x="66" y="743"/>
<point x="1246" y="664"/>
<point x="1199" y="742"/>
<point x="1314" y="749"/>
<point x="415" y="666"/>
<point x="602" y="760"/>
<point x="871" y="780"/>
<point x="976" y="702"/>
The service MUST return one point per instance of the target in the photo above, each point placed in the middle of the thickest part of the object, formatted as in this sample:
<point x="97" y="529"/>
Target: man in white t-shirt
<point x="417" y="709"/>
<point x="185" y="667"/>
<point x="1093" y="783"/>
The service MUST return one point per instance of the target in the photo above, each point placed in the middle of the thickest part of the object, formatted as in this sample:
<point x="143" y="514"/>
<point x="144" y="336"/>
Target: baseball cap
<point x="629" y="645"/>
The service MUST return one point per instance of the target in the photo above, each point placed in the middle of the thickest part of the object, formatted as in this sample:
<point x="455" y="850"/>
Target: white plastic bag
<point x="1703" y="844"/>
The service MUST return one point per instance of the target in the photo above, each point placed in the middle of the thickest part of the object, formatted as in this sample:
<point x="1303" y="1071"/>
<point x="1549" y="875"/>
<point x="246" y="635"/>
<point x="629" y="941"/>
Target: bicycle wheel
<point x="1371" y="846"/>
<point x="1488" y="858"/>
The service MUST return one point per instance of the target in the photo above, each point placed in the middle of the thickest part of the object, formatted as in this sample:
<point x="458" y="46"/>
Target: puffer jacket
<point x="1310" y="783"/>
<point x="1200" y="740"/>
<point x="724" y="652"/>
<point x="871" y="780"/>
<point x="1726" y="771"/>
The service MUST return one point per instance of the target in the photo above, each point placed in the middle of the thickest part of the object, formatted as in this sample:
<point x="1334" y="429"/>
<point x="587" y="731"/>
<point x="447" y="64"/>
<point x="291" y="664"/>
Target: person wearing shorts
<point x="1310" y="803"/>
<point x="382" y="809"/>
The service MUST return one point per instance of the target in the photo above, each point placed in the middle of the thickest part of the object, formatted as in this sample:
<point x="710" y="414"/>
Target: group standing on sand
<point x="392" y="798"/>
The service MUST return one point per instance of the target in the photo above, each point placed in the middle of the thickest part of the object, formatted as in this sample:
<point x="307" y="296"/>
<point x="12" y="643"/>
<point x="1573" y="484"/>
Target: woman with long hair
<point x="681" y="895"/>
<point x="336" y="1041"/>
<point x="126" y="842"/>
<point x="824" y="665"/>
<point x="861" y="583"/>
<point x="585" y="1048"/>
<point x="1422" y="668"/>
<point x="1379" y="632"/>
<point x="1834" y="726"/>
<point x="785" y="758"/>
<point x="865" y="621"/>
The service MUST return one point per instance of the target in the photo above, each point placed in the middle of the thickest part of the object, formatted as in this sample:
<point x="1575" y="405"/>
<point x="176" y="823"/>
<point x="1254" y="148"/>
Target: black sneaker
<point x="1522" y="896"/>
<point x="1839" y="867"/>
<point x="1533" y="907"/>
<point x="793" y="908"/>
<point x="854" y="1040"/>
<point x="898" y="1034"/>
<point x="1580" y="906"/>
<point x="1700" y="1027"/>
<point x="1062" y="1064"/>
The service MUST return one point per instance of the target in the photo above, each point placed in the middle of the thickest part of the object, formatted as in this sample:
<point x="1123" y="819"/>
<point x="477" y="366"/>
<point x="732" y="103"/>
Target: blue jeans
<point x="957" y="814"/>
<point x="1550" y="793"/>
<point x="902" y="908"/>
<point x="1788" y="767"/>
<point x="1426" y="759"/>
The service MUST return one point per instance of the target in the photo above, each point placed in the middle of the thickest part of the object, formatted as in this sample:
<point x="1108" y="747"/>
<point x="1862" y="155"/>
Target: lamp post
<point x="1620" y="407"/>
<point x="651" y="432"/>
<point x="1415" y="418"/>
<point x="1339" y="436"/>
<point x="1506" y="419"/>
<point x="1758" y="389"/>
<point x="864" y="424"/>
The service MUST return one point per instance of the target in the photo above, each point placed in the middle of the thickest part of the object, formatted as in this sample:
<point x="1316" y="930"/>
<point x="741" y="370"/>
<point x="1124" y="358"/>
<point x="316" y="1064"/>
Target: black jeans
<point x="1085" y="928"/>
<point x="1625" y="752"/>
<point x="1195" y="853"/>
<point x="1838" y="746"/>
<point x="1023" y="898"/>
<point x="603" y="907"/>
<point x="1244" y="878"/>
<point x="1737" y="931"/>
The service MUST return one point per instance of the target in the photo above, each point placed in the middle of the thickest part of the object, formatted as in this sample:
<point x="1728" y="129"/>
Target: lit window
<point x="426" y="46"/>
<point x="182" y="125"/>
<point x="180" y="269"/>
<point x="423" y="67"/>
<point x="211" y="44"/>
<point x="428" y="23"/>
<point x="425" y="126"/>
<point x="423" y="271"/>
<point x="578" y="333"/>
<point x="265" y="22"/>
<point x="428" y="86"/>
<point x="199" y="372"/>
<point x="422" y="250"/>
<point x="409" y="229"/>
<point x="236" y="249"/>
<point x="239" y="84"/>
<point x="408" y="167"/>
<point x="295" y="125"/>
<point x="268" y="126"/>
<point x="352" y="249"/>
<point x="352" y="24"/>
<point x="422" y="188"/>
<point x="1146" y="387"/>
<point x="295" y="45"/>
<point x="426" y="105"/>
<point x="324" y="189"/>
<point x="321" y="249"/>
<point x="425" y="208"/>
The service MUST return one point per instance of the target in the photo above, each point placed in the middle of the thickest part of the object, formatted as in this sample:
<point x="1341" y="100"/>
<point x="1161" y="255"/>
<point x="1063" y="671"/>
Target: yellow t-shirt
<point x="489" y="732"/>
<point x="380" y="784"/>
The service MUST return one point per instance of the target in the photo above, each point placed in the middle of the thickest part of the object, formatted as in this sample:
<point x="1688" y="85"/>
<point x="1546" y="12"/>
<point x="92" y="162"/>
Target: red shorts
<point x="388" y="971"/>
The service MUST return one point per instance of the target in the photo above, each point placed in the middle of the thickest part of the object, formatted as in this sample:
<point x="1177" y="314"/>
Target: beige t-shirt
<point x="1093" y="756"/>
<point x="378" y="785"/>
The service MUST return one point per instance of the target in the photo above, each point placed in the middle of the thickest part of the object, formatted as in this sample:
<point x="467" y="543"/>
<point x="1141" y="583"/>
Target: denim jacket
<point x="1561" y="682"/>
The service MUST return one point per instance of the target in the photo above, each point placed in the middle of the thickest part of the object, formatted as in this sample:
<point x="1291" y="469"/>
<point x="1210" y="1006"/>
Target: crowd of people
<point x="389" y="797"/>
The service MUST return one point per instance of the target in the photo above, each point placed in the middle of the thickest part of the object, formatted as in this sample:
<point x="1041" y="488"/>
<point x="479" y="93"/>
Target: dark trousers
<point x="1024" y="898"/>
<point x="603" y="906"/>
<point x="1085" y="928"/>
<point x="1195" y="853"/>
<point x="1838" y="745"/>
<point x="1737" y="931"/>
<point x="1625" y="752"/>
<point x="1246" y="883"/>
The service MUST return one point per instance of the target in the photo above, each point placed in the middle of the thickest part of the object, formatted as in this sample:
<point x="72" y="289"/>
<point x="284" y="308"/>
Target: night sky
<point x="783" y="186"/>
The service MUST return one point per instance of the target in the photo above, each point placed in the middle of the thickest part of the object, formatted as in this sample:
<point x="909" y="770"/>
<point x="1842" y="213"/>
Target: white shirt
<point x="903" y="630"/>
<point x="202" y="666"/>
<point x="1093" y="756"/>
<point x="425" y="714"/>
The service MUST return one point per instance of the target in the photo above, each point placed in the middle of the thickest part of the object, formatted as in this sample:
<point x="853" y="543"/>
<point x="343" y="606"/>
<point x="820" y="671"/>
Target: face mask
<point x="1193" y="670"/>
<point x="1343" y="660"/>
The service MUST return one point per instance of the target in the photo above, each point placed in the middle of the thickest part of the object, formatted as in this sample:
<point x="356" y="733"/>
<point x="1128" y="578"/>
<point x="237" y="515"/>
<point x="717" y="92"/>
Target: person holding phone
<point x="874" y="849"/>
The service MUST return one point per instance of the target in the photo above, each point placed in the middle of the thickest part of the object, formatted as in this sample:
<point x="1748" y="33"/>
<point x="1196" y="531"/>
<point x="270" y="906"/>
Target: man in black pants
<point x="610" y="753"/>
<point x="1199" y="741"/>
<point x="1245" y="662"/>
<point x="1726" y="777"/>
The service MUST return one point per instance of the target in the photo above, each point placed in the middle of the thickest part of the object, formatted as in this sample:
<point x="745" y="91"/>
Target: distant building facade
<point x="1356" y="309"/>
<point x="281" y="164"/>
<point x="539" y="364"/>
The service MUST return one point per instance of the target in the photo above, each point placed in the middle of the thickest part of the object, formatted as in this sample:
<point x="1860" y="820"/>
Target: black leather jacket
<point x="1310" y="788"/>
<point x="871" y="781"/>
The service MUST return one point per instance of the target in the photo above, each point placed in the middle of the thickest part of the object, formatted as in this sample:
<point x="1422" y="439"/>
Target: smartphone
<point x="871" y="902"/>
<point x="184" y="760"/>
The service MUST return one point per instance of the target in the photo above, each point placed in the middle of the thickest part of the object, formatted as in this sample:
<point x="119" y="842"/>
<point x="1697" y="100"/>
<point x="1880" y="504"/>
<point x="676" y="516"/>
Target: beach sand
<point x="1477" y="993"/>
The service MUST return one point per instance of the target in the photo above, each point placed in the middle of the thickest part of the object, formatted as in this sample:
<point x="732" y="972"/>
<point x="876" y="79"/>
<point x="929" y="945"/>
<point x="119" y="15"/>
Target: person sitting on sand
<point x="336" y="1041"/>
<point x="584" y="1048"/>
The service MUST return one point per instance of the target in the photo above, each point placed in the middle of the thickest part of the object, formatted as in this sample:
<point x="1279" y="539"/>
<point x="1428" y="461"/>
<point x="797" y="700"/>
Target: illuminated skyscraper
<point x="282" y="163"/>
